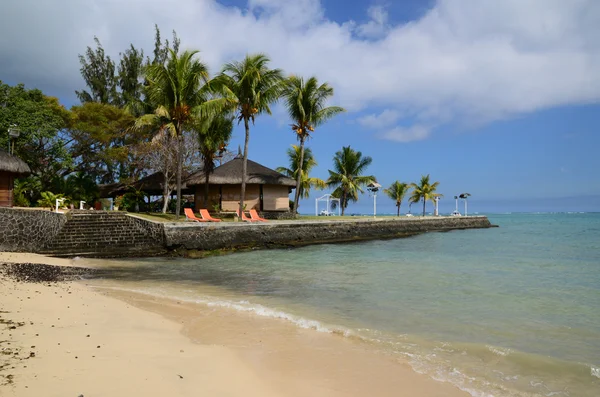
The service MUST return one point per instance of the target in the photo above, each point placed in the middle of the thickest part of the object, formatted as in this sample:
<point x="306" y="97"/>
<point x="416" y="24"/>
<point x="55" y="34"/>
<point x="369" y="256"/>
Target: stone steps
<point x="103" y="234"/>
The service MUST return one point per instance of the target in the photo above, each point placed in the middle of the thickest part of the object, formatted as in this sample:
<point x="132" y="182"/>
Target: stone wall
<point x="153" y="229"/>
<point x="240" y="235"/>
<point x="28" y="230"/>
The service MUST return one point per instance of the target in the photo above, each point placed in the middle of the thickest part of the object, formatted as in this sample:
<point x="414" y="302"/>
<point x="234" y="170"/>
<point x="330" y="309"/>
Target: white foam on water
<point x="595" y="372"/>
<point x="499" y="350"/>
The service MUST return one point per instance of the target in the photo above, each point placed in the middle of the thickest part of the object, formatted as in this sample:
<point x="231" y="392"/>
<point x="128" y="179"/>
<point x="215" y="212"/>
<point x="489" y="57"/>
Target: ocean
<point x="508" y="311"/>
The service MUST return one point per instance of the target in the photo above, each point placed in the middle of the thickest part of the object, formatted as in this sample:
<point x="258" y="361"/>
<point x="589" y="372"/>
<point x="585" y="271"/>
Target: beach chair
<point x="206" y="216"/>
<point x="244" y="217"/>
<point x="189" y="214"/>
<point x="255" y="217"/>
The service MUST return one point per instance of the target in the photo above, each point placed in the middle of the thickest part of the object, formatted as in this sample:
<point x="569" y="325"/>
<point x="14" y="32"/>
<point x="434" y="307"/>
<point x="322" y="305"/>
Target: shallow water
<point x="508" y="311"/>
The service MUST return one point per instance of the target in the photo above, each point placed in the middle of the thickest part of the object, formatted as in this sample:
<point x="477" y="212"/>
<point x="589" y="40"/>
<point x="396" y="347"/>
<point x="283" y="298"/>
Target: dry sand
<point x="86" y="342"/>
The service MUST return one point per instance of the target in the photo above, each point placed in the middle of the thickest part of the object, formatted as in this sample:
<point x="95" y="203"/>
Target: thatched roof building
<point x="11" y="167"/>
<point x="230" y="173"/>
<point x="151" y="185"/>
<point x="13" y="164"/>
<point x="266" y="190"/>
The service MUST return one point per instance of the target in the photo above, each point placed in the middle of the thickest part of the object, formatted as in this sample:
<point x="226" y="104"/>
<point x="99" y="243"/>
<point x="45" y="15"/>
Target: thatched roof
<point x="230" y="173"/>
<point x="13" y="164"/>
<point x="152" y="185"/>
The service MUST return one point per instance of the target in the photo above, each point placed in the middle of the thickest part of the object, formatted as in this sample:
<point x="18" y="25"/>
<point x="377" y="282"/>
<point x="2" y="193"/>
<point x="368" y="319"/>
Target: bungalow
<point x="11" y="167"/>
<point x="266" y="190"/>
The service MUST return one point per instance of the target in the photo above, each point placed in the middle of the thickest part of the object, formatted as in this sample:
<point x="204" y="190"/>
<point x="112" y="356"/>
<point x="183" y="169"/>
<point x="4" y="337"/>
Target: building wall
<point x="276" y="198"/>
<point x="6" y="189"/>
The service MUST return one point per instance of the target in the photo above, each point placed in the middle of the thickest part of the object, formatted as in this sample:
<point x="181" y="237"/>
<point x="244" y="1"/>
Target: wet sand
<point x="72" y="339"/>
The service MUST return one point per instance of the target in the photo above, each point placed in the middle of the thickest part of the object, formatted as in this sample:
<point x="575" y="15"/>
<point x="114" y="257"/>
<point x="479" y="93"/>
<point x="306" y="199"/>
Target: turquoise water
<point x="509" y="311"/>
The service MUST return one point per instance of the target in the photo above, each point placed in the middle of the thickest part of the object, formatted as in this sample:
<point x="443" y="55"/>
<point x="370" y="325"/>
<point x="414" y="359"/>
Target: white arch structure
<point x="327" y="198"/>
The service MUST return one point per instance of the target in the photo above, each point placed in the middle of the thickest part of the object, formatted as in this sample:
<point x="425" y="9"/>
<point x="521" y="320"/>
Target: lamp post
<point x="58" y="202"/>
<point x="13" y="133"/>
<point x="373" y="187"/>
<point x="464" y="196"/>
<point x="81" y="203"/>
<point x="437" y="203"/>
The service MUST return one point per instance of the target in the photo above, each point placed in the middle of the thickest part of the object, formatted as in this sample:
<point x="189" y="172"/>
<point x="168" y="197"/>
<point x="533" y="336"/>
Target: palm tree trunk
<point x="166" y="192"/>
<point x="398" y="209"/>
<point x="206" y="180"/>
<point x="179" y="170"/>
<point x="299" y="172"/>
<point x="424" y="201"/>
<point x="343" y="203"/>
<point x="244" y="167"/>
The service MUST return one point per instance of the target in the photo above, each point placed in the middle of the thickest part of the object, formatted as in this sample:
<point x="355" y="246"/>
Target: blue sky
<point x="496" y="98"/>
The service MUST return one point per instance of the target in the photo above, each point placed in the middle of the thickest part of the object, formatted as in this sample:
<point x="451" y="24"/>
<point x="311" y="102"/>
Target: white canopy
<point x="327" y="198"/>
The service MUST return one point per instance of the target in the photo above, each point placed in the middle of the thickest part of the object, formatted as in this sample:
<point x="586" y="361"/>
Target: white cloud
<point x="463" y="61"/>
<point x="407" y="134"/>
<point x="381" y="120"/>
<point x="377" y="24"/>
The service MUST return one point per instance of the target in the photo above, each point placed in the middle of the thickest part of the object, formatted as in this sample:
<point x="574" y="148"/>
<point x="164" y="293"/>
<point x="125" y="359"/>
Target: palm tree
<point x="250" y="87"/>
<point x="308" y="162"/>
<point x="396" y="192"/>
<point x="347" y="178"/>
<point x="214" y="134"/>
<point x="305" y="102"/>
<point x="177" y="89"/>
<point x="424" y="191"/>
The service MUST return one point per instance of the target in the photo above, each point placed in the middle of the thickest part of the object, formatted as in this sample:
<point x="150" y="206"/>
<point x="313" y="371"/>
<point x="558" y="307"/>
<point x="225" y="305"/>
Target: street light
<point x="464" y="196"/>
<point x="13" y="133"/>
<point x="58" y="202"/>
<point x="373" y="187"/>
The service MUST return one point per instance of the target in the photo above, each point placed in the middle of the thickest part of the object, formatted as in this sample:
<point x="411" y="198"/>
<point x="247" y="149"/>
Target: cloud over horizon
<point x="475" y="60"/>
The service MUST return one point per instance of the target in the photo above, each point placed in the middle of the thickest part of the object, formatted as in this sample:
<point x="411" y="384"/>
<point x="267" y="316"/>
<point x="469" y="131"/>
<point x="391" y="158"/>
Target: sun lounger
<point x="189" y="214"/>
<point x="244" y="216"/>
<point x="255" y="217"/>
<point x="206" y="216"/>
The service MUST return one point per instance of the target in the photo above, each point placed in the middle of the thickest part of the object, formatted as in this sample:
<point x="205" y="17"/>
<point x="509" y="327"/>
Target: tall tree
<point x="42" y="143"/>
<point x="98" y="71"/>
<point x="424" y="190"/>
<point x="101" y="141"/>
<point x="251" y="88"/>
<point x="178" y="90"/>
<point x="347" y="177"/>
<point x="306" y="102"/>
<point x="130" y="80"/>
<point x="308" y="163"/>
<point x="397" y="191"/>
<point x="214" y="134"/>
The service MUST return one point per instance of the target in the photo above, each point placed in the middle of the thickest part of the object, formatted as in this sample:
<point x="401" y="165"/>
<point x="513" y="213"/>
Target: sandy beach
<point x="77" y="338"/>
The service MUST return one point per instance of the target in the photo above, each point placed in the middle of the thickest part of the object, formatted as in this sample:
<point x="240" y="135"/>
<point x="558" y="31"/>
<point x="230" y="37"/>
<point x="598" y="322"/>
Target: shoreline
<point x="180" y="348"/>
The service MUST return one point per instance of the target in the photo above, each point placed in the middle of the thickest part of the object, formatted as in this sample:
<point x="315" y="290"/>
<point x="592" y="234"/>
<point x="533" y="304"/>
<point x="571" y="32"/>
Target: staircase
<point x="103" y="234"/>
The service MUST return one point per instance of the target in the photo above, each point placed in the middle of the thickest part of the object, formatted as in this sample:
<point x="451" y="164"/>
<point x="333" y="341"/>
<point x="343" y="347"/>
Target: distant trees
<point x="306" y="105"/>
<point x="347" y="175"/>
<point x="308" y="163"/>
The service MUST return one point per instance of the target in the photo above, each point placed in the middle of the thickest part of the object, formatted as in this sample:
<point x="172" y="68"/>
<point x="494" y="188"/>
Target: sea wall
<point x="28" y="230"/>
<point x="240" y="235"/>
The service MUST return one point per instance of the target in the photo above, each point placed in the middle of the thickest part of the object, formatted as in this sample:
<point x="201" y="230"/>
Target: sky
<point x="498" y="98"/>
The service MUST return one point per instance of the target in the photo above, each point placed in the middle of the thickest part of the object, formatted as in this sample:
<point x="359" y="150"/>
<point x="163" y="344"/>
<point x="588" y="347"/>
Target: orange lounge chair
<point x="207" y="218"/>
<point x="244" y="217"/>
<point x="189" y="214"/>
<point x="255" y="217"/>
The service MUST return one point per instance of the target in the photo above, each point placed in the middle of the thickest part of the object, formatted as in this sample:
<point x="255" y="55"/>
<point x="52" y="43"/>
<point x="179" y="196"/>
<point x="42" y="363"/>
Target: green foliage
<point x="48" y="199"/>
<point x="42" y="142"/>
<point x="347" y="176"/>
<point x="98" y="71"/>
<point x="305" y="102"/>
<point x="102" y="139"/>
<point x="424" y="190"/>
<point x="308" y="163"/>
<point x="130" y="80"/>
<point x="397" y="191"/>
